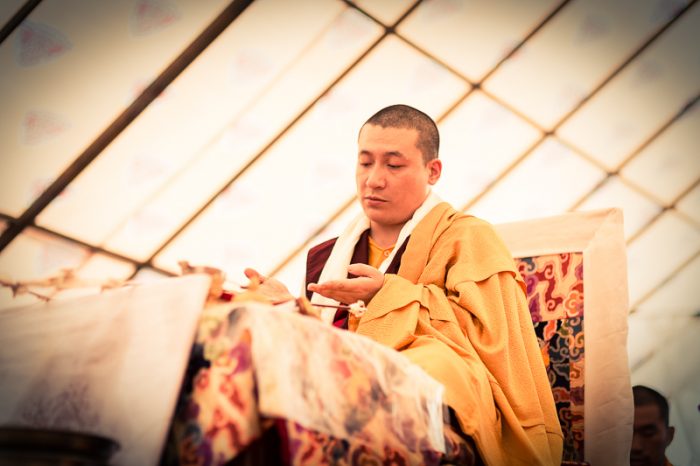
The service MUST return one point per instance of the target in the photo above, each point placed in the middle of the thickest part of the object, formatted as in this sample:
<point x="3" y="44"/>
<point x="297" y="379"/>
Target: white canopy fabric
<point x="137" y="134"/>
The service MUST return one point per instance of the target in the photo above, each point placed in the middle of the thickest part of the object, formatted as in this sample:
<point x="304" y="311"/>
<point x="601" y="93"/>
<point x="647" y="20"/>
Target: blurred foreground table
<point x="224" y="383"/>
<point x="105" y="364"/>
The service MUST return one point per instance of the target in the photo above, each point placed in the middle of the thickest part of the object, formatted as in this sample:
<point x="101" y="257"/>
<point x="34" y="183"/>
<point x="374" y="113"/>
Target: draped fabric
<point x="333" y="397"/>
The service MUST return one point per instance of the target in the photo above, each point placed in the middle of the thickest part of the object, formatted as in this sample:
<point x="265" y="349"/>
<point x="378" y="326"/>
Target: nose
<point x="637" y="442"/>
<point x="376" y="178"/>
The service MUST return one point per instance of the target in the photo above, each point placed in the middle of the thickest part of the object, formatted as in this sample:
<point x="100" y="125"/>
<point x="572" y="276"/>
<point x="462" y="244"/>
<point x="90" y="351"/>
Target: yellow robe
<point x="457" y="308"/>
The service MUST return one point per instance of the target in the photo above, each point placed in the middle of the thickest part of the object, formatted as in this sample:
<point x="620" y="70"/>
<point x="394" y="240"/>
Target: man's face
<point x="392" y="179"/>
<point x="651" y="437"/>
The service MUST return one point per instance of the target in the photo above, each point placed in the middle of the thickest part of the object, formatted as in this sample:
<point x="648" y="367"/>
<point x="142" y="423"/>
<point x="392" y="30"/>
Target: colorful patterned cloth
<point x="335" y="397"/>
<point x="555" y="298"/>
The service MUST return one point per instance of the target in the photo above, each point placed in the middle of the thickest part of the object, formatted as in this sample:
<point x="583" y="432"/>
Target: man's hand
<point x="270" y="288"/>
<point x="349" y="290"/>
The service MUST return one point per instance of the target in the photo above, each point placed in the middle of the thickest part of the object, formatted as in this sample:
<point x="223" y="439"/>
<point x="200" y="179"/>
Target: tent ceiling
<point x="246" y="156"/>
<point x="544" y="107"/>
<point x="573" y="105"/>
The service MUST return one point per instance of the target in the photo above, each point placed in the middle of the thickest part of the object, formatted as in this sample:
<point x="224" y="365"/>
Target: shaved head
<point x="403" y="116"/>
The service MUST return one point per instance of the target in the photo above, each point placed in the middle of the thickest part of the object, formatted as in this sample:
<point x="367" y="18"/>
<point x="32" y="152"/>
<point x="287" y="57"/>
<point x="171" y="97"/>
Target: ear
<point x="434" y="168"/>
<point x="670" y="431"/>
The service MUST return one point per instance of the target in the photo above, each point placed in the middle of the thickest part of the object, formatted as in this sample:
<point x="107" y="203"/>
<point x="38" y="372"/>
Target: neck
<point x="385" y="235"/>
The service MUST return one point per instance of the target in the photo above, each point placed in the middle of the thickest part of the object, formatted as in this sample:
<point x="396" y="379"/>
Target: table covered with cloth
<point x="266" y="385"/>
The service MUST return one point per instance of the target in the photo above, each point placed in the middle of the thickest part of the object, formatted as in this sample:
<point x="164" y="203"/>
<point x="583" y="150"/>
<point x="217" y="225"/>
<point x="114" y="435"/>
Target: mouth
<point x="374" y="202"/>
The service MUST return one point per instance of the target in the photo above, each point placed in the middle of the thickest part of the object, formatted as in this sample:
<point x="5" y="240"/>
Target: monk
<point x="441" y="288"/>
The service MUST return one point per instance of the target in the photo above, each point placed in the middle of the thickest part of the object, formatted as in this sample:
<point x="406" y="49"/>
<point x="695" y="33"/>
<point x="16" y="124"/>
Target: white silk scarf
<point x="336" y="267"/>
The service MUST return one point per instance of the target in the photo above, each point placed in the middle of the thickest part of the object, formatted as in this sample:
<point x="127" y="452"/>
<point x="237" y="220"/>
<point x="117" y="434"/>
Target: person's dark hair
<point x="647" y="396"/>
<point x="403" y="116"/>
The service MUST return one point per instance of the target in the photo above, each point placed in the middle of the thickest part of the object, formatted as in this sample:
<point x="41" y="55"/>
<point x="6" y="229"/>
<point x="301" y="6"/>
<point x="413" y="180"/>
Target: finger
<point x="338" y="285"/>
<point x="333" y="286"/>
<point x="332" y="294"/>
<point x="252" y="273"/>
<point x="363" y="270"/>
<point x="321" y="289"/>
